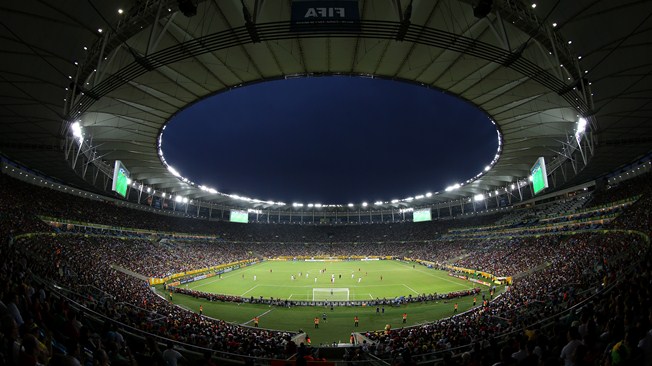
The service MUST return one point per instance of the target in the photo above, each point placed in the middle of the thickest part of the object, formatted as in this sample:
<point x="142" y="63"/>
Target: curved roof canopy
<point x="535" y="71"/>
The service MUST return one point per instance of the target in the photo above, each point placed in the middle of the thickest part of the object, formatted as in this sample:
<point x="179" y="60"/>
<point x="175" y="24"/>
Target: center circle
<point x="329" y="140"/>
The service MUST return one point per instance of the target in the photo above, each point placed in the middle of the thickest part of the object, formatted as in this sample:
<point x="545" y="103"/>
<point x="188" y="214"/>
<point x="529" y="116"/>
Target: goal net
<point x="330" y="294"/>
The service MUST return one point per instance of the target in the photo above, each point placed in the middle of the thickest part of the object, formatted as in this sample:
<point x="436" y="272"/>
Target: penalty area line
<point x="410" y="288"/>
<point x="249" y="290"/>
<point x="258" y="316"/>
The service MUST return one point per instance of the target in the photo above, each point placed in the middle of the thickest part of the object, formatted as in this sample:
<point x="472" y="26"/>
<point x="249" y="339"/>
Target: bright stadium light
<point x="429" y="194"/>
<point x="178" y="198"/>
<point x="173" y="171"/>
<point x="378" y="203"/>
<point x="364" y="204"/>
<point x="149" y="189"/>
<point x="419" y="197"/>
<point x="318" y="205"/>
<point x="310" y="205"/>
<point x="296" y="204"/>
<point x="478" y="197"/>
<point x="77" y="131"/>
<point x="350" y="204"/>
<point x="453" y="187"/>
<point x="486" y="169"/>
<point x="394" y="201"/>
<point x="581" y="127"/>
<point x="185" y="199"/>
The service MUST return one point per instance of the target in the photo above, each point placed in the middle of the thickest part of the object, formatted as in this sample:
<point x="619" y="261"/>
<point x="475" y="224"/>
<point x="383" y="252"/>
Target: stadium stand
<point x="589" y="291"/>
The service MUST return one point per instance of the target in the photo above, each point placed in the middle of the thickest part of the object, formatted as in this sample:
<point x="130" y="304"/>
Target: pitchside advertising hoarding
<point x="325" y="16"/>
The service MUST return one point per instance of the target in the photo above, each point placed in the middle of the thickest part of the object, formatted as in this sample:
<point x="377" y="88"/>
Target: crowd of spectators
<point x="48" y="202"/>
<point x="593" y="259"/>
<point x="556" y="273"/>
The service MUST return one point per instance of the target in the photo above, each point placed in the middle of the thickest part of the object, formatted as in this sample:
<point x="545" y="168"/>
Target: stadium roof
<point x="122" y="75"/>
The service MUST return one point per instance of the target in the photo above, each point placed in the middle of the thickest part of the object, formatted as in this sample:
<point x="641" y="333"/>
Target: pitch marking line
<point x="249" y="290"/>
<point x="263" y="314"/>
<point x="371" y="296"/>
<point x="441" y="278"/>
<point x="410" y="288"/>
<point x="219" y="278"/>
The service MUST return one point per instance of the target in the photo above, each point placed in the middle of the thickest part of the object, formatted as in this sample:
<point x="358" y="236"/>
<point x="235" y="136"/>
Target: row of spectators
<point x="44" y="201"/>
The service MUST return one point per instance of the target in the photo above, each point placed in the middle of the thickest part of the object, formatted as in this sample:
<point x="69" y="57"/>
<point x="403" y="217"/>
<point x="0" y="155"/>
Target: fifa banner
<point x="325" y="16"/>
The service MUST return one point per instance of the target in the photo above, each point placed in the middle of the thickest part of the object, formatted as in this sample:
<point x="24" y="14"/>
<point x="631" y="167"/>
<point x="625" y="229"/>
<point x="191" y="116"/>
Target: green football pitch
<point x="353" y="280"/>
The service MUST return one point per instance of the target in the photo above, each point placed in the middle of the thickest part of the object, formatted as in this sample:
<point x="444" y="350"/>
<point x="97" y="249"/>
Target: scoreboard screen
<point x="120" y="179"/>
<point x="539" y="176"/>
<point x="421" y="215"/>
<point x="239" y="216"/>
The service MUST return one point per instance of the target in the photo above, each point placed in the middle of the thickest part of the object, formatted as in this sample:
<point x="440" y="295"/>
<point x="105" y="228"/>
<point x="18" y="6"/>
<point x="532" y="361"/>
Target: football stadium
<point x="532" y="247"/>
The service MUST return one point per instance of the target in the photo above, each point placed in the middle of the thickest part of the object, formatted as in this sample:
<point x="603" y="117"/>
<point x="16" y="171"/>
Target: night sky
<point x="330" y="140"/>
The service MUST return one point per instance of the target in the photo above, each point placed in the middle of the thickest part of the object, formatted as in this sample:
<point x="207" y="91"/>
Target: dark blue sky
<point x="330" y="140"/>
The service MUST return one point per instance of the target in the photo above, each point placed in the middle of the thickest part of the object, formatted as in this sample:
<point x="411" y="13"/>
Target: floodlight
<point x="453" y="187"/>
<point x="486" y="169"/>
<point x="419" y="197"/>
<point x="185" y="199"/>
<point x="129" y="180"/>
<point x="364" y="204"/>
<point x="318" y="205"/>
<point x="478" y="197"/>
<point x="163" y="194"/>
<point x="350" y="205"/>
<point x="428" y="194"/>
<point x="513" y="186"/>
<point x="77" y="131"/>
<point x="173" y="171"/>
<point x="581" y="127"/>
<point x="310" y="205"/>
<point x="378" y="203"/>
<point x="178" y="198"/>
<point x="120" y="11"/>
<point x="394" y="201"/>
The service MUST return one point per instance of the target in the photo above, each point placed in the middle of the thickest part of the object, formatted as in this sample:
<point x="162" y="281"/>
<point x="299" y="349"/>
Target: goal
<point x="330" y="294"/>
